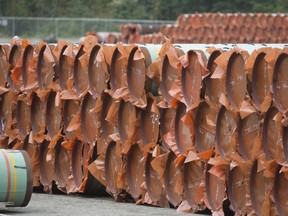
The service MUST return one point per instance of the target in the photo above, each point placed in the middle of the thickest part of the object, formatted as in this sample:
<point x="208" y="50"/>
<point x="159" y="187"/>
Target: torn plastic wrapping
<point x="128" y="124"/>
<point x="46" y="164"/>
<point x="105" y="128"/>
<point x="54" y="114"/>
<point x="280" y="195"/>
<point x="61" y="62"/>
<point x="226" y="132"/>
<point x="173" y="178"/>
<point x="97" y="71"/>
<point x="128" y="75"/>
<point x="238" y="186"/>
<point x="38" y="103"/>
<point x="280" y="81"/>
<point x="71" y="118"/>
<point x="184" y="130"/>
<point x="259" y="67"/>
<point x="169" y="72"/>
<point x="23" y="116"/>
<point x="4" y="65"/>
<point x="88" y="118"/>
<point x="45" y="63"/>
<point x="162" y="72"/>
<point x="272" y="135"/>
<point x="193" y="72"/>
<point x="14" y="62"/>
<point x="65" y="57"/>
<point x="63" y="166"/>
<point x="205" y="127"/>
<point x="135" y="171"/>
<point x="249" y="136"/>
<point x="230" y="71"/>
<point x="150" y="122"/>
<point x="261" y="186"/>
<point x="110" y="166"/>
<point x="80" y="76"/>
<point x="152" y="191"/>
<point x="19" y="71"/>
<point x="82" y="155"/>
<point x="194" y="183"/>
<point x="32" y="149"/>
<point x="213" y="88"/>
<point x="9" y="126"/>
<point x="215" y="184"/>
<point x="166" y="122"/>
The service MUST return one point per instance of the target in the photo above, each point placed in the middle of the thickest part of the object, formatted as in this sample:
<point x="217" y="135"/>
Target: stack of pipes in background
<point x="223" y="28"/>
<point x="188" y="125"/>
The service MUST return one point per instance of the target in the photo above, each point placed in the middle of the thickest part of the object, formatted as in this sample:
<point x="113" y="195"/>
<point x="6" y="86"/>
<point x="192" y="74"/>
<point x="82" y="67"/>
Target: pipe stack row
<point x="192" y="126"/>
<point x="224" y="28"/>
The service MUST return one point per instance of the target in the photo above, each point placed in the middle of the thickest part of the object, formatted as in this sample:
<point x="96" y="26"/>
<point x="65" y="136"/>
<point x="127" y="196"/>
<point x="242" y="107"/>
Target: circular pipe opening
<point x="46" y="164"/>
<point x="125" y="110"/>
<point x="107" y="127"/>
<point x="192" y="178"/>
<point x="70" y="108"/>
<point x="65" y="70"/>
<point x="96" y="73"/>
<point x="88" y="118"/>
<point x="205" y="127"/>
<point x="237" y="190"/>
<point x="79" y="162"/>
<point x="135" y="171"/>
<point x="62" y="164"/>
<point x="260" y="80"/>
<point x="215" y="189"/>
<point x="149" y="124"/>
<point x="166" y="119"/>
<point x="37" y="114"/>
<point x="152" y="179"/>
<point x="3" y="66"/>
<point x="248" y="130"/>
<point x="183" y="136"/>
<point x="169" y="75"/>
<point x="226" y="126"/>
<point x="27" y="57"/>
<point x="53" y="116"/>
<point x="236" y="84"/>
<point x="285" y="141"/>
<point x="23" y="118"/>
<point x="40" y="65"/>
<point x="14" y="56"/>
<point x="136" y="76"/>
<point x="280" y="192"/>
<point x="112" y="167"/>
<point x="271" y="134"/>
<point x="213" y="86"/>
<point x="280" y="82"/>
<point x="79" y="75"/>
<point x="117" y="70"/>
<point x="191" y="79"/>
<point x="171" y="176"/>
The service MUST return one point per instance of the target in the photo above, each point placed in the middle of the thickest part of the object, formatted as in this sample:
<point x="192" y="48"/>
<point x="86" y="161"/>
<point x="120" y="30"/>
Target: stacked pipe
<point x="131" y="33"/>
<point x="225" y="28"/>
<point x="188" y="125"/>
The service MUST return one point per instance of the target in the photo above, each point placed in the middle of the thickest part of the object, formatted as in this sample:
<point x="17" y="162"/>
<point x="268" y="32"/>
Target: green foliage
<point x="134" y="9"/>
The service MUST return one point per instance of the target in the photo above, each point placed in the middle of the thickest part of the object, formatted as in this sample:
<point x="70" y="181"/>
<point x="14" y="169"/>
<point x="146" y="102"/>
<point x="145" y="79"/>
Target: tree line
<point x="134" y="9"/>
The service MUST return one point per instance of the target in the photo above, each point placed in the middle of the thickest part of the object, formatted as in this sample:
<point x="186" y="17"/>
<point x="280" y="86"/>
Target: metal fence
<point x="62" y="27"/>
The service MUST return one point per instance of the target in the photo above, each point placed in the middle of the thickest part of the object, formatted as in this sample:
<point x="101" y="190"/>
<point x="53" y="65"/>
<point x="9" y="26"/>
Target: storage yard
<point x="187" y="127"/>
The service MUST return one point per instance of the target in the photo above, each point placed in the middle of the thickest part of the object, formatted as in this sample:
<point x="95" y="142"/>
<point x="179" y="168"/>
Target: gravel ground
<point x="52" y="204"/>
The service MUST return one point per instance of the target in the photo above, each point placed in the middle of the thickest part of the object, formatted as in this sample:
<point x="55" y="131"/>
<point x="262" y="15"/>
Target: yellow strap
<point x="14" y="177"/>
